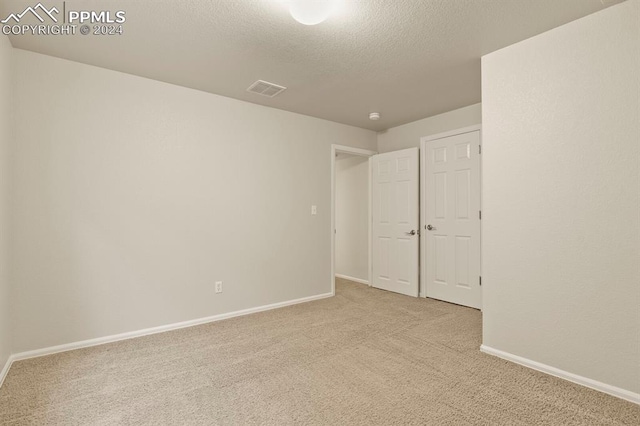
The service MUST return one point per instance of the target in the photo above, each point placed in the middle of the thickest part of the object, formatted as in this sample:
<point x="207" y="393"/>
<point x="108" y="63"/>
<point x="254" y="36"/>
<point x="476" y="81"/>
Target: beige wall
<point x="6" y="134"/>
<point x="132" y="197"/>
<point x="352" y="212"/>
<point x="561" y="229"/>
<point x="408" y="135"/>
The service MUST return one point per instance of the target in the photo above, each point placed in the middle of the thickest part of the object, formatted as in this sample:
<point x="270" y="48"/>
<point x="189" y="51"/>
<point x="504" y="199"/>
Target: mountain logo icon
<point x="38" y="11"/>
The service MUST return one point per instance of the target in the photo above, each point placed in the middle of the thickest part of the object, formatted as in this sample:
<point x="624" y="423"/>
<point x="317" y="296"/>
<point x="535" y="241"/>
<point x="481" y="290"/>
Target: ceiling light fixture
<point x="375" y="116"/>
<point x="311" y="12"/>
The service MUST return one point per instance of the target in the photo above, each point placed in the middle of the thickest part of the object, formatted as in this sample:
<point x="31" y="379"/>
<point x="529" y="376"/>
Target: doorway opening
<point x="350" y="214"/>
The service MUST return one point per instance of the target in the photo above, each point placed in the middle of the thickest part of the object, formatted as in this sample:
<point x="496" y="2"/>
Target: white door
<point x="451" y="222"/>
<point x="396" y="221"/>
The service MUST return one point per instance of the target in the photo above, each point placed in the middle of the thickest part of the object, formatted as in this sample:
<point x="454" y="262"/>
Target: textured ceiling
<point x="407" y="59"/>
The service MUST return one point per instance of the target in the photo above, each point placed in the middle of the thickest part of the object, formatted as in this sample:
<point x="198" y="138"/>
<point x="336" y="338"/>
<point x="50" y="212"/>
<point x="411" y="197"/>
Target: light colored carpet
<point x="365" y="356"/>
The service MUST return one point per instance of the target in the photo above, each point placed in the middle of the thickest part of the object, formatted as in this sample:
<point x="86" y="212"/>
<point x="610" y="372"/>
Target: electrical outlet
<point x="218" y="286"/>
<point x="314" y="210"/>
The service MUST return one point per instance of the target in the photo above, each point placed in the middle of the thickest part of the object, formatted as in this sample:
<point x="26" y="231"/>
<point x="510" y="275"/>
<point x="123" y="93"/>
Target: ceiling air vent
<point x="265" y="88"/>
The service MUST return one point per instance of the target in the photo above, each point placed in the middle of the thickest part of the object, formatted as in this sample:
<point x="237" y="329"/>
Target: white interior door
<point x="395" y="218"/>
<point x="451" y="223"/>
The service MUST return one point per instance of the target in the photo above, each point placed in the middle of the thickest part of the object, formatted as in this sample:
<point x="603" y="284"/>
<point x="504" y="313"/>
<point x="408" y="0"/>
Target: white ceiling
<point x="407" y="59"/>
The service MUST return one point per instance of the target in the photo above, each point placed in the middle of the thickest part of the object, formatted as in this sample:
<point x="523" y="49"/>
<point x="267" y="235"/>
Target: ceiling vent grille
<point x="265" y="88"/>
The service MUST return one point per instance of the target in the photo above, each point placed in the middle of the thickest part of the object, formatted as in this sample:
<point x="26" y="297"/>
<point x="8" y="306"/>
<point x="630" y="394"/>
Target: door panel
<point x="451" y="203"/>
<point x="395" y="215"/>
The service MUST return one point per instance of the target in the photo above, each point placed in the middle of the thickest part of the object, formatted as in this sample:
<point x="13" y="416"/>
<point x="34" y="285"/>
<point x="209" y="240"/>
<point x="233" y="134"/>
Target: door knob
<point x="413" y="232"/>
<point x="430" y="228"/>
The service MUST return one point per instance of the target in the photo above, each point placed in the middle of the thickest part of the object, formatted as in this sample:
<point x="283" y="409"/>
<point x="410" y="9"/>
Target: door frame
<point x="423" y="199"/>
<point x="343" y="149"/>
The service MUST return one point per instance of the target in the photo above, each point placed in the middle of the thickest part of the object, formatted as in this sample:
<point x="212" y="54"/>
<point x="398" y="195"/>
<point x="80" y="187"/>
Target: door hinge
<point x="479" y="149"/>
<point x="480" y="214"/>
<point x="480" y="280"/>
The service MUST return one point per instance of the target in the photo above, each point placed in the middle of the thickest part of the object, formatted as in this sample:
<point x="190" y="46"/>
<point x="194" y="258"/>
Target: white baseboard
<point x="149" y="331"/>
<point x="5" y="369"/>
<point x="357" y="280"/>
<point x="584" y="381"/>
